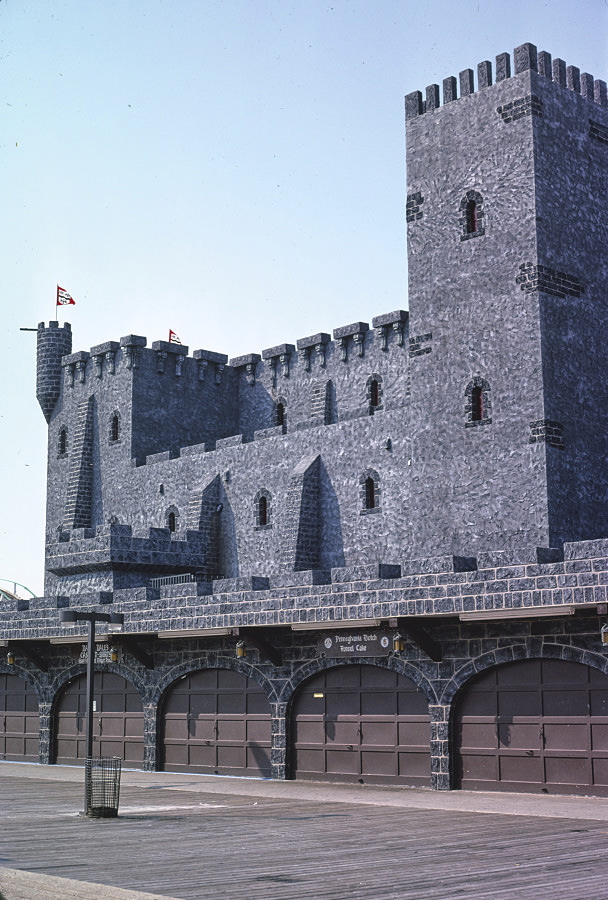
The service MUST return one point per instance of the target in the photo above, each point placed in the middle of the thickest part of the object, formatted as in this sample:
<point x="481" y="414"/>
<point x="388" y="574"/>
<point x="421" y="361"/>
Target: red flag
<point x="173" y="338"/>
<point x="63" y="298"/>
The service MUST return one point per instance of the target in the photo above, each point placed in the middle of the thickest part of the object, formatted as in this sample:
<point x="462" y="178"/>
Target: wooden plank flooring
<point x="225" y="847"/>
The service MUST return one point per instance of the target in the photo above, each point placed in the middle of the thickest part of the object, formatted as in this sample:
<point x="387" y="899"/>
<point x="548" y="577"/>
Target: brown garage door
<point x="361" y="723"/>
<point x="536" y="725"/>
<point x="217" y="721"/>
<point x="18" y="720"/>
<point x="118" y="720"/>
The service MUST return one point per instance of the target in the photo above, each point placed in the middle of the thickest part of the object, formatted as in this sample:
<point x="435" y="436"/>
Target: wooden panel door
<point x="360" y="723"/>
<point x="216" y="721"/>
<point x="18" y="720"/>
<point x="534" y="725"/>
<point x="118" y="721"/>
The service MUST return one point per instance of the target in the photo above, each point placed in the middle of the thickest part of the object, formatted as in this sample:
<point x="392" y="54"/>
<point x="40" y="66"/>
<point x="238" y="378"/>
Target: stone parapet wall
<point x="114" y="547"/>
<point x="365" y="592"/>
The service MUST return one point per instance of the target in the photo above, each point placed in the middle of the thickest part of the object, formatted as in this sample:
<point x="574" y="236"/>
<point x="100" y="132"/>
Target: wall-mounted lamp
<point x="240" y="649"/>
<point x="116" y="623"/>
<point x="398" y="645"/>
<point x="10" y="658"/>
<point x="114" y="654"/>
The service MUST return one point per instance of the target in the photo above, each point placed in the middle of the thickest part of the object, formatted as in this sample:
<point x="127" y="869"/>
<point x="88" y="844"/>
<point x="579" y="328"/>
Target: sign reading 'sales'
<point x="355" y="643"/>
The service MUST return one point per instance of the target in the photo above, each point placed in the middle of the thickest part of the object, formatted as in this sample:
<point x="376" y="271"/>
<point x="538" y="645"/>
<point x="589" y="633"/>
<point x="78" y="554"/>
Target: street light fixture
<point x="101" y="776"/>
<point x="69" y="617"/>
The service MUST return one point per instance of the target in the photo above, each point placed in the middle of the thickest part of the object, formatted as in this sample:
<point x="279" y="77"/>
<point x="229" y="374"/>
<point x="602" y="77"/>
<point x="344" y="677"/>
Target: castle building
<point x="374" y="556"/>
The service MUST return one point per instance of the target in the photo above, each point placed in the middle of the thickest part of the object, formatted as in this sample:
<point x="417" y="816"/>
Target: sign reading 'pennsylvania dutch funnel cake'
<point x="355" y="643"/>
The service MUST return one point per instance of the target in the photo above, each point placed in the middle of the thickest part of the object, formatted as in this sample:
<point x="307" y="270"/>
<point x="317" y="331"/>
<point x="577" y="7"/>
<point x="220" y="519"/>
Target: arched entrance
<point x="216" y="721"/>
<point x="533" y="725"/>
<point x="18" y="720"/>
<point x="118" y="720"/>
<point x="360" y="723"/>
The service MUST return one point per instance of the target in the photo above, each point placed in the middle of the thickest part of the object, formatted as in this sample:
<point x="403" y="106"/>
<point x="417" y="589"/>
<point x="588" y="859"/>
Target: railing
<point x="185" y="578"/>
<point x="7" y="594"/>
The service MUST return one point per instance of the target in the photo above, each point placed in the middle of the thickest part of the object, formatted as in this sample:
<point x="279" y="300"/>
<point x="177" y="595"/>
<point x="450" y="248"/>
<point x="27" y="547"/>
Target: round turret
<point x="53" y="343"/>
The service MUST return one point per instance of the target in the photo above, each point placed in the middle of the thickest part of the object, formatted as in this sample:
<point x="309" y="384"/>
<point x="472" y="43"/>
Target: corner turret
<point x="53" y="343"/>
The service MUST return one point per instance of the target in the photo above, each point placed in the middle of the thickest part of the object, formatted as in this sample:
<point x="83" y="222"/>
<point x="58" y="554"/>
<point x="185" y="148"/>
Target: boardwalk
<point x="220" y="845"/>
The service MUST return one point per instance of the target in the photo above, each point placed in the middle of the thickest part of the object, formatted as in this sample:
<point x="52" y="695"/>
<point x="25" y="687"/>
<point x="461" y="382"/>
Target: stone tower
<point x="53" y="344"/>
<point x="508" y="257"/>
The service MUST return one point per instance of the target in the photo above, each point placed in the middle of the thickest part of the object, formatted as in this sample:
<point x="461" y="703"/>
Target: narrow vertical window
<point x="114" y="427"/>
<point x="280" y="413"/>
<point x="262" y="511"/>
<point x="471" y="217"/>
<point x="477" y="404"/>
<point x="370" y="493"/>
<point x="374" y="393"/>
<point x="62" y="446"/>
<point x="171" y="522"/>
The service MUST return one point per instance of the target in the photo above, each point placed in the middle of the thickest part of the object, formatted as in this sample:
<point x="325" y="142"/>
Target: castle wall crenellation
<point x="525" y="57"/>
<point x="285" y="369"/>
<point x="397" y="319"/>
<point x="140" y="343"/>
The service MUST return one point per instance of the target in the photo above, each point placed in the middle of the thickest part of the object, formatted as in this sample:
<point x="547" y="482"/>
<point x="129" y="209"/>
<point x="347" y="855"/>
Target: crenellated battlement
<point x="175" y="359"/>
<point x="525" y="58"/>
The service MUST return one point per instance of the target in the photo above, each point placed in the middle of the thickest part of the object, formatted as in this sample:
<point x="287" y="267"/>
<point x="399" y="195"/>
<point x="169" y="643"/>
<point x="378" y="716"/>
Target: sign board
<point x="103" y="653"/>
<point x="348" y="644"/>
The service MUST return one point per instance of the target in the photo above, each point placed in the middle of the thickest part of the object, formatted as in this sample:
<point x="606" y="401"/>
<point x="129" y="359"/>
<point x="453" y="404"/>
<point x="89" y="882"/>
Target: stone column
<point x="151" y="759"/>
<point x="278" y="752"/>
<point x="44" y="740"/>
<point x="440" y="747"/>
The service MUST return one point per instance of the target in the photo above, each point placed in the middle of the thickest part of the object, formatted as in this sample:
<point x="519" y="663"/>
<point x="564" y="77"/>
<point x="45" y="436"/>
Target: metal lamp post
<point x="70" y="617"/>
<point x="115" y="621"/>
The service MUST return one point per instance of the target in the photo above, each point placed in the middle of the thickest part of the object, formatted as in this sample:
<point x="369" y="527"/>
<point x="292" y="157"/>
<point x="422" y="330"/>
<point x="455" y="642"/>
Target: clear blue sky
<point x="231" y="169"/>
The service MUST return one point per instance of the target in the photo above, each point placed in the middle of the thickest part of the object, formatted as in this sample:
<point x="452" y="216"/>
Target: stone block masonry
<point x="598" y="132"/>
<point x="302" y="534"/>
<point x="80" y="485"/>
<point x="413" y="209"/>
<point x="518" y="109"/>
<point x="439" y="592"/>
<point x="544" y="278"/>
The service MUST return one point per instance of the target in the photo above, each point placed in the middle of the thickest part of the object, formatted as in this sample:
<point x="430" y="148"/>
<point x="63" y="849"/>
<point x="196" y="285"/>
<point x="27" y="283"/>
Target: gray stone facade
<point x="333" y="480"/>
